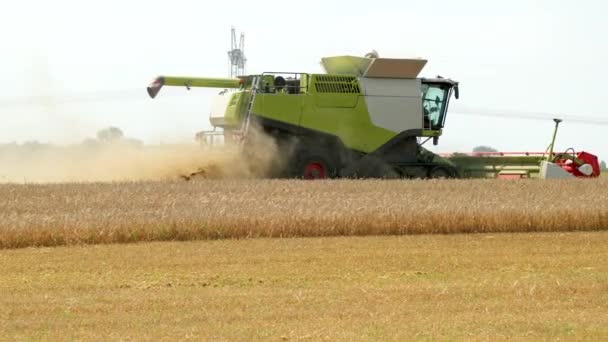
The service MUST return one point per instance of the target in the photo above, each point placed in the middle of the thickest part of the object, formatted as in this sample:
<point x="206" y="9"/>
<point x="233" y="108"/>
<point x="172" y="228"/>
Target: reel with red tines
<point x="581" y="164"/>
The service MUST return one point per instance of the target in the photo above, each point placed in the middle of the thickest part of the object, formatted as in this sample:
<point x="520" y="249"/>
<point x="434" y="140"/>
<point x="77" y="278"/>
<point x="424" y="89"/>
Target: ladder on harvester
<point x="242" y="133"/>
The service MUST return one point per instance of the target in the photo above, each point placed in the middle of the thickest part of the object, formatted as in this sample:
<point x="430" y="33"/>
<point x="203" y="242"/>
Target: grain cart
<point x="366" y="117"/>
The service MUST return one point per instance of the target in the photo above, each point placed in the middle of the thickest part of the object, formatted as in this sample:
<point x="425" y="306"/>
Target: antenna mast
<point x="237" y="55"/>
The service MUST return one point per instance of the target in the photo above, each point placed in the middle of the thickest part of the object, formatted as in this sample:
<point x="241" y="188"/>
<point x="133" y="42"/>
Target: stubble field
<point x="93" y="213"/>
<point x="531" y="286"/>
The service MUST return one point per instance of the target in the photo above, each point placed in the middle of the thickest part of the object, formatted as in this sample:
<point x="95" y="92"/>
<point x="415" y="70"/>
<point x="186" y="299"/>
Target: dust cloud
<point x="119" y="161"/>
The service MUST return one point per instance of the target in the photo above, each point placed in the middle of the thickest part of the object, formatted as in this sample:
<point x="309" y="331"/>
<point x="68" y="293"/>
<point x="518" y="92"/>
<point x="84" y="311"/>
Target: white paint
<point x="586" y="169"/>
<point x="391" y="87"/>
<point x="393" y="104"/>
<point x="218" y="109"/>
<point x="553" y="171"/>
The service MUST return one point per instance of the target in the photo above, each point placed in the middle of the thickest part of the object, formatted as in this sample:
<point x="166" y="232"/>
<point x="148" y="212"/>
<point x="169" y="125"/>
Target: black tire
<point x="441" y="172"/>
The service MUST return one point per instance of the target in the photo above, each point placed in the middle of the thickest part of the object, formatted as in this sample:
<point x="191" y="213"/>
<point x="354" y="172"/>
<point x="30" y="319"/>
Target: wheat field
<point x="99" y="213"/>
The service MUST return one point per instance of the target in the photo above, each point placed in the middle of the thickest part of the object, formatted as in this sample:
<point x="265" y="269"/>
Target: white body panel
<point x="219" y="105"/>
<point x="394" y="104"/>
<point x="553" y="171"/>
<point x="586" y="169"/>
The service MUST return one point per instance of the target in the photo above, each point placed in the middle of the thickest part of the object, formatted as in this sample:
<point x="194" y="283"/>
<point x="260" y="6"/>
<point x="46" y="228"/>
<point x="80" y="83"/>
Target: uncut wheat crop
<point x="66" y="214"/>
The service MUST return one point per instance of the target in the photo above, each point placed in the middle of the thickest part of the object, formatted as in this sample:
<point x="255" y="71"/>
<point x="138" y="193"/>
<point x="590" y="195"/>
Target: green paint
<point x="226" y="83"/>
<point x="236" y="107"/>
<point x="491" y="166"/>
<point x="346" y="65"/>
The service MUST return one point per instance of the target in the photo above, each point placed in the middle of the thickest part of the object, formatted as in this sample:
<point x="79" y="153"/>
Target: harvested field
<point x="67" y="214"/>
<point x="538" y="286"/>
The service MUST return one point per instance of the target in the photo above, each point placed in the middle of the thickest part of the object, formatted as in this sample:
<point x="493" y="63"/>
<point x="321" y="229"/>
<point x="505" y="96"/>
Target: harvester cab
<point x="363" y="118"/>
<point x="435" y="98"/>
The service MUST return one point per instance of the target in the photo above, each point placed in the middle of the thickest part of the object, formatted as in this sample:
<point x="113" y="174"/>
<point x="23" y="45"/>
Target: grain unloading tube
<point x="160" y="81"/>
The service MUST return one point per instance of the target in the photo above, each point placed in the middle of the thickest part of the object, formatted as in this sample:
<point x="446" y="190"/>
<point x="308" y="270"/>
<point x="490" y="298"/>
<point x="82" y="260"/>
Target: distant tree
<point x="603" y="165"/>
<point x="483" y="148"/>
<point x="110" y="134"/>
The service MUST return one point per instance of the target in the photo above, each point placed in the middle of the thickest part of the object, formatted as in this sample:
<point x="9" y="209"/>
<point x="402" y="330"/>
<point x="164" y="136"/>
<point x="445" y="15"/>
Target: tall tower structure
<point x="237" y="55"/>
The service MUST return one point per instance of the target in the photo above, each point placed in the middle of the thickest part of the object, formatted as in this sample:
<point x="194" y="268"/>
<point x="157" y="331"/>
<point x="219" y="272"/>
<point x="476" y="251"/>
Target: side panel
<point x="392" y="87"/>
<point x="219" y="106"/>
<point x="227" y="108"/>
<point x="351" y="125"/>
<point x="336" y="106"/>
<point x="394" y="104"/>
<point x="279" y="106"/>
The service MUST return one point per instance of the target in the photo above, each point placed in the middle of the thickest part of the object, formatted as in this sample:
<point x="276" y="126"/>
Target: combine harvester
<point x="367" y="117"/>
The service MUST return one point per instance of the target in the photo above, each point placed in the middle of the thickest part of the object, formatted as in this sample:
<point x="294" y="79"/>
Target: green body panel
<point x="336" y="100"/>
<point x="236" y="107"/>
<point x="283" y="107"/>
<point x="352" y="125"/>
<point x="346" y="65"/>
<point x="431" y="134"/>
<point x="492" y="166"/>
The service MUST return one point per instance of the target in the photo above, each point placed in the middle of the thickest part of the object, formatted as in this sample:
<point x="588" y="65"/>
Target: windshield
<point x="434" y="98"/>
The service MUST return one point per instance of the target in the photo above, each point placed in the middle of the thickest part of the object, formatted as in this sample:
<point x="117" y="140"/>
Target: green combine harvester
<point x="363" y="118"/>
<point x="367" y="117"/>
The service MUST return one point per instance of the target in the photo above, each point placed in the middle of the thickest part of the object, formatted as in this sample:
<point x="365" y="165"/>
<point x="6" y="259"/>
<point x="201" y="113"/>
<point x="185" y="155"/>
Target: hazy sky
<point x="69" y="68"/>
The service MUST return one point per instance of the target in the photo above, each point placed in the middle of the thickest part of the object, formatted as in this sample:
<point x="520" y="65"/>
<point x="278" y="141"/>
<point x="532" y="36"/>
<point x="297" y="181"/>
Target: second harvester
<point x="365" y="117"/>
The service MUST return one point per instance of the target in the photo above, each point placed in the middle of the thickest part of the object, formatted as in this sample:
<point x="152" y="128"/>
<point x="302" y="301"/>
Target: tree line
<point x="103" y="137"/>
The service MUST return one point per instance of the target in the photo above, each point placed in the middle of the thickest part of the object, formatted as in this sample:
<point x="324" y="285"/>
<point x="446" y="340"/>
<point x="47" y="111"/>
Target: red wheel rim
<point x="314" y="170"/>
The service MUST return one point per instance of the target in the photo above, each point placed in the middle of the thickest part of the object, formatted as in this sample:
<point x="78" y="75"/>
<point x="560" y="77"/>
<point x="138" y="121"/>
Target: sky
<point x="70" y="68"/>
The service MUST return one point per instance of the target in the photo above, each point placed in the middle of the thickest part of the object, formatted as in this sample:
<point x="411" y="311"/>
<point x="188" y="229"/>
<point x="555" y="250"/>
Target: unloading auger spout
<point x="188" y="82"/>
